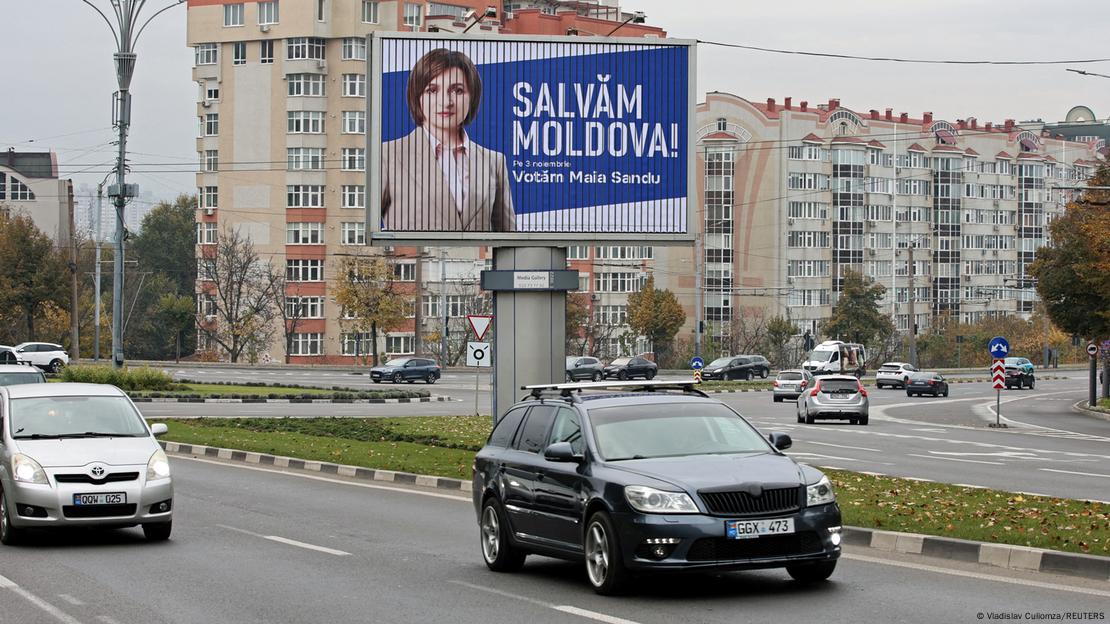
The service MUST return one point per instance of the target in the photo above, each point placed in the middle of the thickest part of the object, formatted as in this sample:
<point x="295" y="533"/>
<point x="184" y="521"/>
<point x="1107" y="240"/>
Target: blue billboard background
<point x="659" y="121"/>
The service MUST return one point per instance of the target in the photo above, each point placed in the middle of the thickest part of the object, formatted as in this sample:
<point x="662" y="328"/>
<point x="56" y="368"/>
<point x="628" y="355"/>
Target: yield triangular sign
<point x="479" y="323"/>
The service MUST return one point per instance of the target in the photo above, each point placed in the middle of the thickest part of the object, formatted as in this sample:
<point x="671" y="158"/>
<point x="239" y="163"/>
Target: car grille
<point x="98" y="511"/>
<point x="781" y="500"/>
<point x="725" y="549"/>
<point x="108" y="478"/>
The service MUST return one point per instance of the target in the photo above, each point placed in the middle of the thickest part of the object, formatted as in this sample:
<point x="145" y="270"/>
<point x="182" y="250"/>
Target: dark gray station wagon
<point x="648" y="476"/>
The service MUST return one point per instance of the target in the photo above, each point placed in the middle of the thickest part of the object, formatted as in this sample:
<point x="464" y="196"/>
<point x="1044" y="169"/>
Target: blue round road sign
<point x="998" y="347"/>
<point x="697" y="362"/>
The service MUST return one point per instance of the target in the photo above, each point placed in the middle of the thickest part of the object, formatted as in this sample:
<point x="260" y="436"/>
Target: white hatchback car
<point x="46" y="355"/>
<point x="80" y="455"/>
<point x="894" y="374"/>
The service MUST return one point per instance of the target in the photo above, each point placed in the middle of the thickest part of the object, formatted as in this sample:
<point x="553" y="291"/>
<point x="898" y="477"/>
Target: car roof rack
<point x="571" y="390"/>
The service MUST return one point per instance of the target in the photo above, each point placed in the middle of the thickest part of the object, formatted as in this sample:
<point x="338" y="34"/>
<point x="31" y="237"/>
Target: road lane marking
<point x="287" y="541"/>
<point x="57" y="613"/>
<point x="843" y="446"/>
<point x="825" y="456"/>
<point x="592" y="615"/>
<point x="1085" y="474"/>
<point x="107" y="620"/>
<point x="970" y="461"/>
<point x="71" y="600"/>
<point x="977" y="575"/>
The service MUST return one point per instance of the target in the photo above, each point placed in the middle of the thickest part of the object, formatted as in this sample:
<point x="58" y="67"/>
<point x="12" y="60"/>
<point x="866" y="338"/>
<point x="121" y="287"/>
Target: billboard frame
<point x="376" y="237"/>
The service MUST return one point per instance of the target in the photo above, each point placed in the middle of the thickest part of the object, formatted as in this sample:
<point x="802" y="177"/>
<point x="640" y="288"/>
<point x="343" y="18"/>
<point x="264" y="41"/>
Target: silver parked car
<point x="835" y="396"/>
<point x="790" y="384"/>
<point x="14" y="374"/>
<point x="80" y="455"/>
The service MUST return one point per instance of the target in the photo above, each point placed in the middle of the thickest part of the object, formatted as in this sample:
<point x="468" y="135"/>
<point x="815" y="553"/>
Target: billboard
<point x="514" y="140"/>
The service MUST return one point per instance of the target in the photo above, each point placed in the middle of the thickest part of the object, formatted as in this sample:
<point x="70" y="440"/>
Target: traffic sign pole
<point x="1092" y="396"/>
<point x="999" y="348"/>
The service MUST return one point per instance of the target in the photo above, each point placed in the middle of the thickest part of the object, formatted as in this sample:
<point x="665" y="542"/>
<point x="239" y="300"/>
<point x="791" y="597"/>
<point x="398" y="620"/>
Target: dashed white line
<point x="592" y="615"/>
<point x="583" y="613"/>
<point x="969" y="461"/>
<point x="1085" y="474"/>
<point x="107" y="620"/>
<point x="323" y="549"/>
<point x="71" y="600"/>
<point x="857" y="448"/>
<point x="57" y="613"/>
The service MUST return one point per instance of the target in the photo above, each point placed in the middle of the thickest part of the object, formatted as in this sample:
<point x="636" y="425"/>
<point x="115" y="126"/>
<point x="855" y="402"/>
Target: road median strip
<point x="287" y="401"/>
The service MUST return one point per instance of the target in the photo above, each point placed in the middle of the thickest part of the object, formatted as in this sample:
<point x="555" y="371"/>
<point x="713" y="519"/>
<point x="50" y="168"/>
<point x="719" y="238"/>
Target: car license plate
<point x="747" y="529"/>
<point x="109" y="498"/>
<point x="789" y="387"/>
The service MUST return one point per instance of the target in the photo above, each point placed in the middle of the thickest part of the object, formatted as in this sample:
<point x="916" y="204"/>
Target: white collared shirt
<point x="456" y="169"/>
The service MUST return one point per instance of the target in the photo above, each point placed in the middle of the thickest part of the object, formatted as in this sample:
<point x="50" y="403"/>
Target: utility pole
<point x="418" y="312"/>
<point x="913" y="314"/>
<point x="74" y="337"/>
<point x="126" y="32"/>
<point x="96" y="277"/>
<point x="699" y="311"/>
<point x="443" y="305"/>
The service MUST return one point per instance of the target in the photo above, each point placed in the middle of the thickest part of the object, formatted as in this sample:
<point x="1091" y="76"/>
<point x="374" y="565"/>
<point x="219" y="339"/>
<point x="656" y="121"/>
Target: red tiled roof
<point x="812" y="138"/>
<point x="1002" y="155"/>
<point x="1030" y="156"/>
<point x="721" y="136"/>
<point x="947" y="148"/>
<point x="971" y="152"/>
<point x="916" y="148"/>
<point x="1050" y="158"/>
<point x="875" y="143"/>
<point x="847" y="139"/>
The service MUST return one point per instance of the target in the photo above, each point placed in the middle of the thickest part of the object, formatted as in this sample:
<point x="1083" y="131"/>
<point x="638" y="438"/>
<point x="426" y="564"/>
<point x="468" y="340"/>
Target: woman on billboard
<point x="435" y="178"/>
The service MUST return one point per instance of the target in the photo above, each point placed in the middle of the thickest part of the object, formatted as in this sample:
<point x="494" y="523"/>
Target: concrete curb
<point x="1082" y="407"/>
<point x="287" y="401"/>
<point x="984" y="553"/>
<point x="709" y="390"/>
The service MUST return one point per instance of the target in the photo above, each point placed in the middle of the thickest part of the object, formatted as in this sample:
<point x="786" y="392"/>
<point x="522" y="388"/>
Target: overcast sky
<point x="59" y="76"/>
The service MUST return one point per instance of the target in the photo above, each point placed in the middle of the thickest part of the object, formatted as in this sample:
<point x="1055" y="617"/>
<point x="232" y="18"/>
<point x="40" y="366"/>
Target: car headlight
<point x="820" y="493"/>
<point x="158" y="467"/>
<point x="27" y="470"/>
<point x="651" y="500"/>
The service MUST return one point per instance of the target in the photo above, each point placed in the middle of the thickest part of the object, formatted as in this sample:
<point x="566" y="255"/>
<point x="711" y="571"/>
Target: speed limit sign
<point x="477" y="354"/>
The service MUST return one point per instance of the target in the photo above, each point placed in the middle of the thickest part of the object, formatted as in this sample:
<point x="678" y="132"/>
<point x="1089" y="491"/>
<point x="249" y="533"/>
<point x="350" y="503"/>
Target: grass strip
<point x="445" y="446"/>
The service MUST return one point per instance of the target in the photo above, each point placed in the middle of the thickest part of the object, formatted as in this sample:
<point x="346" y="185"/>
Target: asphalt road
<point x="1047" y="447"/>
<point x="254" y="545"/>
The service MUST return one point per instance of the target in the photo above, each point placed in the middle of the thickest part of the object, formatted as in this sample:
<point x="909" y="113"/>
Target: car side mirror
<point x="780" y="441"/>
<point x="561" y="452"/>
<point x="159" y="429"/>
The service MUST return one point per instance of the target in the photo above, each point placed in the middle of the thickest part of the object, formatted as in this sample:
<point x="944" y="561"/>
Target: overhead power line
<point x="891" y="59"/>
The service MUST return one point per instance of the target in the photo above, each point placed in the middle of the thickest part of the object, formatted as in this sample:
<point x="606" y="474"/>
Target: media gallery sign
<point x="526" y="140"/>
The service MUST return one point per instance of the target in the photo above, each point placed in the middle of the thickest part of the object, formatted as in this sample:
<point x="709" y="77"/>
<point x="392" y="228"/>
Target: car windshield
<point x="620" y="361"/>
<point x="1013" y="361"/>
<point x="672" y="430"/>
<point x="790" y="376"/>
<point x="571" y="359"/>
<point x="12" y="379"/>
<point x="398" y="362"/>
<point x="922" y="376"/>
<point x="75" y="416"/>
<point x="821" y="356"/>
<point x="720" y="362"/>
<point x="839" y="386"/>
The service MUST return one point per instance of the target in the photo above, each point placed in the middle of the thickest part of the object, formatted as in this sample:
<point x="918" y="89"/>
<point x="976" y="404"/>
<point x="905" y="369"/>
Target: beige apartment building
<point x="281" y="111"/>
<point x="792" y="194"/>
<point x="29" y="185"/>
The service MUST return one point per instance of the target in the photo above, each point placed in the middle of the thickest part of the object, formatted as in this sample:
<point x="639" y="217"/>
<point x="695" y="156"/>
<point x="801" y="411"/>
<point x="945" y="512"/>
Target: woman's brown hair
<point x="435" y="63"/>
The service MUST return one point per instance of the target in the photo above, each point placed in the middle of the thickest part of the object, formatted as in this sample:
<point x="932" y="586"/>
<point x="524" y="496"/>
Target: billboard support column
<point x="529" y="313"/>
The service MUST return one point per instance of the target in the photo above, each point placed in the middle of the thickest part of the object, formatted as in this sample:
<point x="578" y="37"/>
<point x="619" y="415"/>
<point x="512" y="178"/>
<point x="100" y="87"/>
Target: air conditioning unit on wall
<point x="210" y="211"/>
<point x="264" y="27"/>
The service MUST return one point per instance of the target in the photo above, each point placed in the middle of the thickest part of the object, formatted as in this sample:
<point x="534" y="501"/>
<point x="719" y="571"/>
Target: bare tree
<point x="463" y="298"/>
<point x="746" y="332"/>
<point x="289" y="307"/>
<point x="240" y="296"/>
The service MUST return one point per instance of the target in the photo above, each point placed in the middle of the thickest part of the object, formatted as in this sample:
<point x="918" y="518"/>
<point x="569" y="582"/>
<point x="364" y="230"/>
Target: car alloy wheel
<point x="56" y="366"/>
<point x="397" y="378"/>
<point x="430" y="379"/>
<point x="596" y="376"/>
<point x="9" y="535"/>
<point x="497" y="552"/>
<point x="763" y="374"/>
<point x="747" y="375"/>
<point x="604" y="565"/>
<point x="622" y="375"/>
<point x="649" y="375"/>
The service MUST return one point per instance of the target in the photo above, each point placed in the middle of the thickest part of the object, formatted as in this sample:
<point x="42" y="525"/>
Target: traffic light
<point x="701" y="327"/>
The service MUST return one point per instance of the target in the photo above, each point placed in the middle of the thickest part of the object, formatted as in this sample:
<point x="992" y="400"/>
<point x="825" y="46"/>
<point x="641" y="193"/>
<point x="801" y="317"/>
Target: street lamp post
<point x="126" y="32"/>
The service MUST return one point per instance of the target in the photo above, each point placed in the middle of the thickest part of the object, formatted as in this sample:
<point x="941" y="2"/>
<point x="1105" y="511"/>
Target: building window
<point x="207" y="54"/>
<point x="304" y="307"/>
<point x="206" y="233"/>
<point x="414" y="14"/>
<point x="404" y="272"/>
<point x="354" y="196"/>
<point x="302" y="158"/>
<point x="611" y="315"/>
<point x="808" y="181"/>
<point x="578" y="252"/>
<point x="211" y="91"/>
<point x="206" y="305"/>
<point x="206" y="270"/>
<point x="304" y="270"/>
<point x="354" y="85"/>
<point x="212" y="124"/>
<point x="369" y="12"/>
<point x="268" y="12"/>
<point x="354" y="233"/>
<point x="354" y="158"/>
<point x="233" y="14"/>
<point x="305" y="122"/>
<point x="302" y="48"/>
<point x="266" y="56"/>
<point x="311" y="85"/>
<point x="304" y="233"/>
<point x="307" y="344"/>
<point x="354" y="49"/>
<point x="304" y="196"/>
<point x="808" y="239"/>
<point x="354" y="122"/>
<point x="356" y="344"/>
<point x="210" y="160"/>
<point x="239" y="53"/>
<point x="808" y="210"/>
<point x="209" y="197"/>
<point x="622" y="282"/>
<point x="399" y="344"/>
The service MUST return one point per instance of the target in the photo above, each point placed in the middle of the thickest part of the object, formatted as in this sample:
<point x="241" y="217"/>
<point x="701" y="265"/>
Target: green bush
<point x="127" y="379"/>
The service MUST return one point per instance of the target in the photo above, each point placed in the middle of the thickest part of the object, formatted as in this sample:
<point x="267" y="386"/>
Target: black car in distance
<point x="927" y="382"/>
<point x="584" y="367"/>
<point x="629" y="367"/>
<point x="737" y="367"/>
<point x="633" y="477"/>
<point x="408" y="369"/>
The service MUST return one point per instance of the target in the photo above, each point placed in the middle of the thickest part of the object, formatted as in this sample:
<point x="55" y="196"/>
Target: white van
<point x="834" y="357"/>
